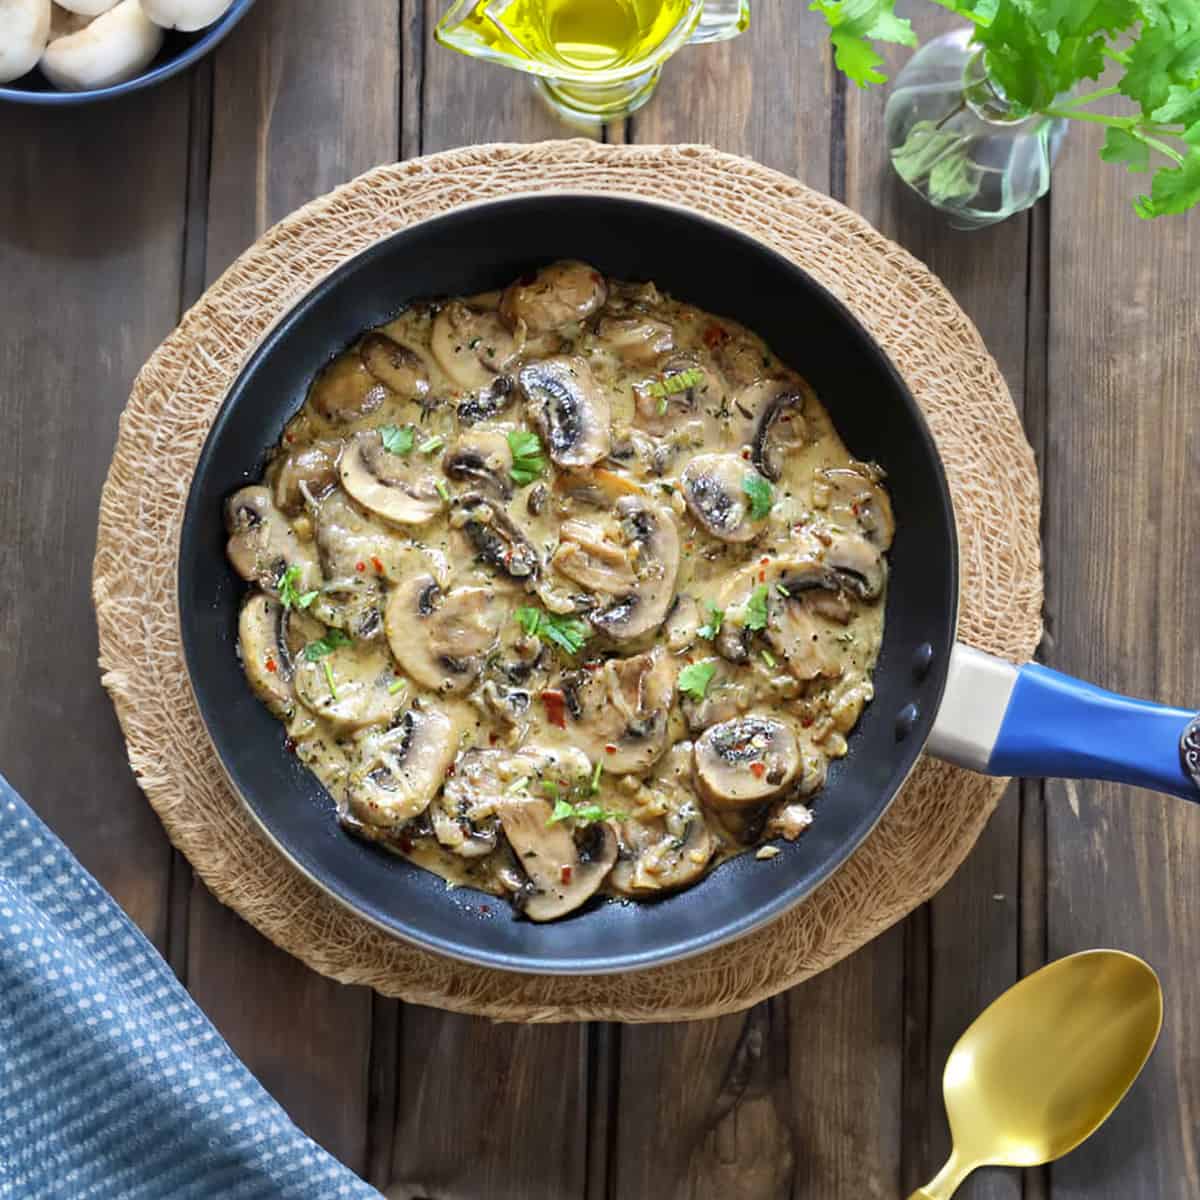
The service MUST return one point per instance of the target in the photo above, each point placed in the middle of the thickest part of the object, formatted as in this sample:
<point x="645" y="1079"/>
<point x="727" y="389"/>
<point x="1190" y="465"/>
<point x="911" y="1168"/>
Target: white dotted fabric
<point x="113" y="1084"/>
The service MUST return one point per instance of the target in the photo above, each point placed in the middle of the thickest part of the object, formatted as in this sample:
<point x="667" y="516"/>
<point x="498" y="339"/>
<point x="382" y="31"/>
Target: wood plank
<point x="962" y="950"/>
<point x="305" y="96"/>
<point x="1122" y="525"/>
<point x="92" y="214"/>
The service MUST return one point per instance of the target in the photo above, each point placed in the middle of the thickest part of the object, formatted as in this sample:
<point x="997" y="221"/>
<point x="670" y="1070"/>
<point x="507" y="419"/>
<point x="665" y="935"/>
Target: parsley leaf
<point x="396" y="440"/>
<point x="528" y="460"/>
<point x="1173" y="191"/>
<point x="694" y="679"/>
<point x="675" y="382"/>
<point x="712" y="627"/>
<point x="315" y="651"/>
<point x="584" y="813"/>
<point x="289" y="595"/>
<point x="853" y="23"/>
<point x="761" y="494"/>
<point x="756" y="609"/>
<point x="432" y="445"/>
<point x="1122" y="147"/>
<point x="567" y="633"/>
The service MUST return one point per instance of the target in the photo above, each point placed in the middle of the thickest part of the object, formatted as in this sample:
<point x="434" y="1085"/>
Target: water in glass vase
<point x="594" y="60"/>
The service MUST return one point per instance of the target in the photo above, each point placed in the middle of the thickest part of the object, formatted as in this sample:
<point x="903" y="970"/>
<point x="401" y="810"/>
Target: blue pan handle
<point x="1005" y="720"/>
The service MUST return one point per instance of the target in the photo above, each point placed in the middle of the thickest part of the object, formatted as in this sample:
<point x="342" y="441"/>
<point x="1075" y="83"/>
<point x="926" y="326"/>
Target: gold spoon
<point x="1043" y="1066"/>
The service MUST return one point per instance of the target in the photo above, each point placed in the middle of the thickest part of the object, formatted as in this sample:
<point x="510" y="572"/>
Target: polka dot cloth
<point x="113" y="1084"/>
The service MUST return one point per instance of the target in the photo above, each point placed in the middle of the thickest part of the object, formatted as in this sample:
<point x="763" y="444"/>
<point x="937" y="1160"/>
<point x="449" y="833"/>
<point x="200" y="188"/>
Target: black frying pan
<point x="485" y="246"/>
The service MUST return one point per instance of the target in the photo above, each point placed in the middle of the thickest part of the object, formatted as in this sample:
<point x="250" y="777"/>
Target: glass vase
<point x="953" y="137"/>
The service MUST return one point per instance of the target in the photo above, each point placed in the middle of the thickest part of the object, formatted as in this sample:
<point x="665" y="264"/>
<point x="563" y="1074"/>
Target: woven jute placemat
<point x="932" y="824"/>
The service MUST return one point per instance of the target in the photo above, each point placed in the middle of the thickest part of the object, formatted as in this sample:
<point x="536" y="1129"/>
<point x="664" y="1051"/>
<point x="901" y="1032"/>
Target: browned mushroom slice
<point x="855" y="496"/>
<point x="564" y="867"/>
<point x="714" y="487"/>
<point x="650" y="529"/>
<point x="262" y="546"/>
<point x="569" y="407"/>
<point x="401" y="369"/>
<point x="464" y="816"/>
<point x="639" y="340"/>
<point x="746" y="761"/>
<point x="269" y="638"/>
<point x="350" y="687"/>
<point x="305" y="474"/>
<point x="588" y="554"/>
<point x="781" y="426"/>
<point x="554" y="296"/>
<point x="496" y="538"/>
<point x="346" y="391"/>
<point x="402" y="768"/>
<point x="488" y="402"/>
<point x="473" y="346"/>
<point x="400" y="488"/>
<point x="483" y="458"/>
<point x="440" y="638"/>
<point x="618" y="714"/>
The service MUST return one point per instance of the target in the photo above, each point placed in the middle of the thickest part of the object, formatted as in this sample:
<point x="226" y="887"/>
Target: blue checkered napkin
<point x="113" y="1084"/>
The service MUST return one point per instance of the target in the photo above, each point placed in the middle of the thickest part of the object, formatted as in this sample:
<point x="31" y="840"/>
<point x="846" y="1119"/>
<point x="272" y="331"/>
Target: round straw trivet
<point x="926" y="833"/>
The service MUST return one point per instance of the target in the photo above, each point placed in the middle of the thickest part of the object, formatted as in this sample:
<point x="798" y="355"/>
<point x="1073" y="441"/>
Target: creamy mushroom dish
<point x="562" y="590"/>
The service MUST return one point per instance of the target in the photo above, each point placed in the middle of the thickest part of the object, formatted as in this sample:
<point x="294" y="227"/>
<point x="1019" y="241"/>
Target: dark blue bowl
<point x="178" y="53"/>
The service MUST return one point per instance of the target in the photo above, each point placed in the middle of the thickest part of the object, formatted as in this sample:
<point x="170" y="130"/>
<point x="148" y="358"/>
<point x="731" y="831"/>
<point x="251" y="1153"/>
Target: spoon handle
<point x="945" y="1183"/>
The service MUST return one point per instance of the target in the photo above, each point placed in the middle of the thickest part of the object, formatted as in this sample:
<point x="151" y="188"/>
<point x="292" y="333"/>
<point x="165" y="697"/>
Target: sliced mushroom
<point x="440" y="638"/>
<point x="638" y="340"/>
<point x="353" y="604"/>
<point x="849" y="561"/>
<point x="780" y="427"/>
<point x="185" y="15"/>
<point x="351" y="687"/>
<point x="346" y="391"/>
<point x="116" y="46"/>
<point x="400" y="488"/>
<point x="269" y="638"/>
<point x="24" y="31"/>
<point x="488" y="403"/>
<point x="403" y="768"/>
<point x="618" y="714"/>
<point x="496" y="539"/>
<point x="797" y="635"/>
<point x="591" y="557"/>
<point x="564" y="867"/>
<point x="788" y="819"/>
<point x="650" y="529"/>
<point x="395" y="365"/>
<point x="464" y="815"/>
<point x="305" y="474"/>
<point x="483" y="458"/>
<point x="854" y="495"/>
<point x="473" y="346"/>
<point x="746" y="761"/>
<point x="262" y="545"/>
<point x="354" y="545"/>
<point x="567" y="404"/>
<point x="683" y="623"/>
<point x="714" y="489"/>
<point x="554" y="296"/>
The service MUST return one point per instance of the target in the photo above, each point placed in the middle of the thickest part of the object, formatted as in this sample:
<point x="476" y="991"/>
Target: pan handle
<point x="1005" y="720"/>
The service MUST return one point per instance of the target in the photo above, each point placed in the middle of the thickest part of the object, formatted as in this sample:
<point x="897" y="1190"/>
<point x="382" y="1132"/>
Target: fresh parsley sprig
<point x="315" y="651"/>
<point x="1037" y="52"/>
<point x="712" y="626"/>
<point x="397" y="440"/>
<point x="529" y="463"/>
<point x="290" y="596"/>
<point x="755" y="614"/>
<point x="760" y="494"/>
<point x="567" y="633"/>
<point x="695" y="678"/>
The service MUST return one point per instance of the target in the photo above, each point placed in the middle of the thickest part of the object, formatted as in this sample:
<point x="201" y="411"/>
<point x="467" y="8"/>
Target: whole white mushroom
<point x="116" y="46"/>
<point x="24" y="29"/>
<point x="87" y="8"/>
<point x="185" y="15"/>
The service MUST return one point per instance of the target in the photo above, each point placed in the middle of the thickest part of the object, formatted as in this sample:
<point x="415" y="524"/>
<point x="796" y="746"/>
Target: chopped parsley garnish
<point x="712" y="626"/>
<point x="396" y="440"/>
<point x="550" y="789"/>
<point x="567" y="633"/>
<point x="528" y="460"/>
<point x="396" y="686"/>
<point x="594" y="782"/>
<point x="675" y="383"/>
<point x="782" y="591"/>
<point x="432" y="445"/>
<point x="756" y="609"/>
<point x="315" y="651"/>
<point x="443" y="490"/>
<point x="769" y="659"/>
<point x="584" y="812"/>
<point x="761" y="494"/>
<point x="289" y="595"/>
<point x="329" y="679"/>
<point x="694" y="679"/>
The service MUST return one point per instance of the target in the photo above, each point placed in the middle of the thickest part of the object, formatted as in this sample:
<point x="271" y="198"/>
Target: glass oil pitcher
<point x="593" y="60"/>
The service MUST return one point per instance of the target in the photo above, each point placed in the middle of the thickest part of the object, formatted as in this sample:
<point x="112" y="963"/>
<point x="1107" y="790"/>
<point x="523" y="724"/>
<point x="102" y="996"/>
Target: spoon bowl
<point x="1044" y="1066"/>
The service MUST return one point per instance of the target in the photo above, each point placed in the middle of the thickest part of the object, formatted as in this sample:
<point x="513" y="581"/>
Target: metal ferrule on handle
<point x="1000" y="719"/>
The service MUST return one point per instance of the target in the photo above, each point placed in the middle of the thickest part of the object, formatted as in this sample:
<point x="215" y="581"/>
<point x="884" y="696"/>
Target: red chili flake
<point x="360" y="567"/>
<point x="689" y="545"/>
<point x="486" y="909"/>
<point x="610" y="749"/>
<point x="714" y="335"/>
<point x="806" y="721"/>
<point x="746" y="454"/>
<point x="762" y="577"/>
<point x="272" y="666"/>
<point x="493" y="738"/>
<point x="566" y="874"/>
<point x="450" y="771"/>
<point x="406" y="843"/>
<point x="855" y="508"/>
<point x="289" y="437"/>
<point x="758" y="770"/>
<point x="556" y="707"/>
<point x="765" y="560"/>
<point x="376" y="564"/>
<point x="597" y="277"/>
<point x="289" y="745"/>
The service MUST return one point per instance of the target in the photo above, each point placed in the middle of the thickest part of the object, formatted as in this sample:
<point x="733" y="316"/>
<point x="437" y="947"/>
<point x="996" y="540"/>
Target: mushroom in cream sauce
<point x="564" y="591"/>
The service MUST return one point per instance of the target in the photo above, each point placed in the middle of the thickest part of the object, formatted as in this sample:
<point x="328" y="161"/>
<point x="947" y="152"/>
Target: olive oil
<point x="599" y="37"/>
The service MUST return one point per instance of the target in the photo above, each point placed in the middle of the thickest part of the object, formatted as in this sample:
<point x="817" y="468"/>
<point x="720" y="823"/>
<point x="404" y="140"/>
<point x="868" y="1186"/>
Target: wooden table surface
<point x="114" y="218"/>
